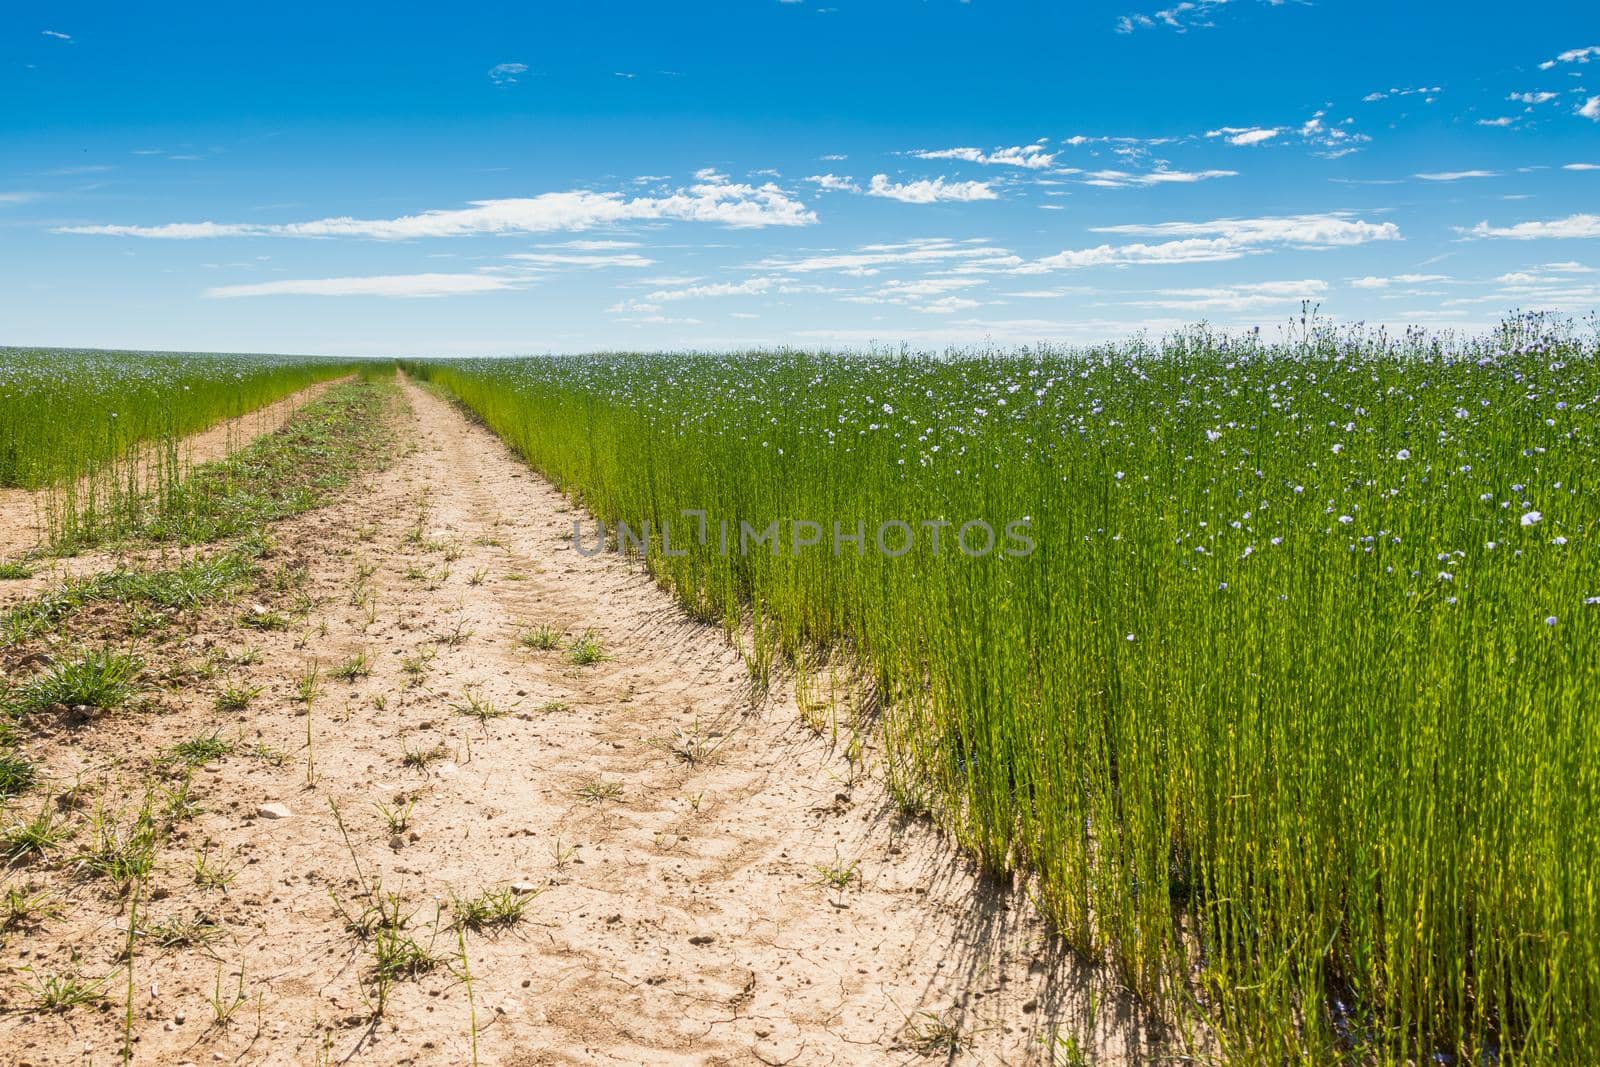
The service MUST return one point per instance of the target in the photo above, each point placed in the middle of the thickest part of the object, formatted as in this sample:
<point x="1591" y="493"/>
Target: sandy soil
<point x="22" y="511"/>
<point x="678" y="912"/>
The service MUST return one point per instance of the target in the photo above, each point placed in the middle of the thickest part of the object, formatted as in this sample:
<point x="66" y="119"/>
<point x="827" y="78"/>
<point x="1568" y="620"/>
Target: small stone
<point x="702" y="939"/>
<point x="397" y="842"/>
<point x="1030" y="1006"/>
<point x="522" y="889"/>
<point x="274" y="811"/>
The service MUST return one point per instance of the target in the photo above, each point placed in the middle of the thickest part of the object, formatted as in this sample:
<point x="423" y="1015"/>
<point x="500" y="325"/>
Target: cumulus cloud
<point x="389" y="285"/>
<point x="1571" y="226"/>
<point x="929" y="191"/>
<point x="1590" y="109"/>
<point x="713" y="200"/>
<point x="1030" y="156"/>
<point x="1533" y="98"/>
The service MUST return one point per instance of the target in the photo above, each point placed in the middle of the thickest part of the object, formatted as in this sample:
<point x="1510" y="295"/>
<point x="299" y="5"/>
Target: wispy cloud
<point x="1242" y="297"/>
<point x="713" y="200"/>
<point x="871" y="259"/>
<point x="929" y="191"/>
<point x="1304" y="231"/>
<point x="1581" y="166"/>
<point x="1121" y="179"/>
<point x="580" y="259"/>
<point x="58" y="35"/>
<point x="1246" y="135"/>
<point x="1181" y="17"/>
<point x="387" y="285"/>
<point x="1331" y="140"/>
<point x="934" y="296"/>
<point x="748" y="287"/>
<point x="1029" y="156"/>
<point x="507" y="73"/>
<point x="1371" y="282"/>
<point x="835" y="183"/>
<point x="1216" y="241"/>
<point x="1387" y="94"/>
<point x="1573" y="55"/>
<point x="1533" y="98"/>
<point x="1455" y="175"/>
<point x="1580" y="225"/>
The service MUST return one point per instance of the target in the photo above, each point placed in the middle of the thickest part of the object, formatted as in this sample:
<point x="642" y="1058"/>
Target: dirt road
<point x="711" y="880"/>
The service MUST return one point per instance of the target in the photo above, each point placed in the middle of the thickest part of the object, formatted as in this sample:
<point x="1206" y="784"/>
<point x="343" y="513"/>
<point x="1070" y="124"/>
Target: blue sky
<point x="532" y="177"/>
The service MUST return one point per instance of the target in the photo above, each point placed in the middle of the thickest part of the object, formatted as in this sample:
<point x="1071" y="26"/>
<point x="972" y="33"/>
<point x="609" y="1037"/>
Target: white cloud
<point x="1181" y="17"/>
<point x="1332" y="140"/>
<point x="714" y="200"/>
<point x="1216" y="241"/>
<point x="1370" y="282"/>
<point x="1120" y="179"/>
<point x="56" y="34"/>
<point x="1571" y="226"/>
<point x="593" y="246"/>
<point x="1196" y="250"/>
<point x="1533" y="98"/>
<point x="1581" y="166"/>
<point x="928" y="191"/>
<point x="1306" y="231"/>
<point x="506" y="73"/>
<point x="578" y="259"/>
<point x="17" y="198"/>
<point x="931" y="295"/>
<point x="1246" y="135"/>
<point x="1574" y="55"/>
<point x="750" y="287"/>
<point x="1385" y="94"/>
<point x="1030" y="156"/>
<point x="1456" y="175"/>
<point x="835" y="183"/>
<point x="1591" y="108"/>
<point x="1503" y="120"/>
<point x="390" y="285"/>
<point x="1235" y="297"/>
<point x="870" y="259"/>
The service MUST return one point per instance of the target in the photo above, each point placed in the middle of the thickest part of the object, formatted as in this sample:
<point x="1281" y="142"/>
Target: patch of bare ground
<point x="427" y="822"/>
